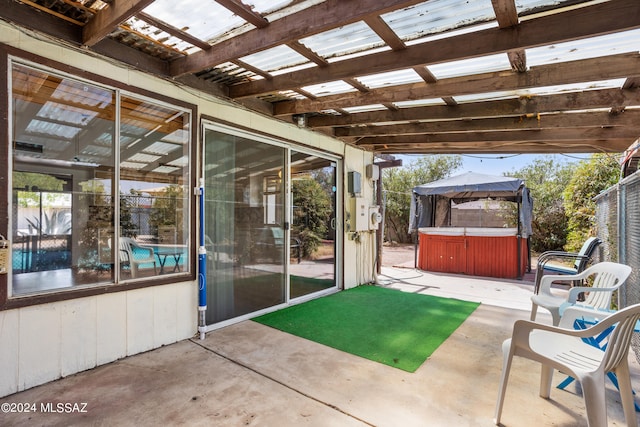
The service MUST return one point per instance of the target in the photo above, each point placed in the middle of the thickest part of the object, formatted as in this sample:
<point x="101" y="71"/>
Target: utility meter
<point x="375" y="217"/>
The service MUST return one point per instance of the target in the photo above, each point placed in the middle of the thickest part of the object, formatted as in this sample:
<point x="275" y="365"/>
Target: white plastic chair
<point x="563" y="349"/>
<point x="145" y="255"/>
<point x="607" y="277"/>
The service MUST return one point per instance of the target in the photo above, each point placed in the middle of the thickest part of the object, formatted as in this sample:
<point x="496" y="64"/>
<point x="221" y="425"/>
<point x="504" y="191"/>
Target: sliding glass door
<point x="244" y="225"/>
<point x="270" y="217"/>
<point x="313" y="224"/>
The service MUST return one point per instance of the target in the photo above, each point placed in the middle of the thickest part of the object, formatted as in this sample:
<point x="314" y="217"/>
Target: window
<point x="88" y="160"/>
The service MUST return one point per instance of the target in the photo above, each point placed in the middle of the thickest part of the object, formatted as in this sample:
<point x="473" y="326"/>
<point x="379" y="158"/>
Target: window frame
<point x="9" y="55"/>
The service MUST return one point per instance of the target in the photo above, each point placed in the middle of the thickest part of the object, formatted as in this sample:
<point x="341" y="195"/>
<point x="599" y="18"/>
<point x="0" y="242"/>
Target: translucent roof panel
<point x="488" y="96"/>
<point x="277" y="58"/>
<point x="467" y="67"/>
<point x="420" y="103"/>
<point x="163" y="37"/>
<point x="329" y="88"/>
<point x="204" y="19"/>
<point x="624" y="42"/>
<point x="541" y="91"/>
<point x="390" y="79"/>
<point x="267" y="6"/>
<point x="525" y="7"/>
<point x="365" y="108"/>
<point x="342" y="41"/>
<point x="437" y="16"/>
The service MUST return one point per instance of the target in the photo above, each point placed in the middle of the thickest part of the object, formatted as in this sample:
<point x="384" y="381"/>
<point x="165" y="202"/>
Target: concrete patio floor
<point x="248" y="374"/>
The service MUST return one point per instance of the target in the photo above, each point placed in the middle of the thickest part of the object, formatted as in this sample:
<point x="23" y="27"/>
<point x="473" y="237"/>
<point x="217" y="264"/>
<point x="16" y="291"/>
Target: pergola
<point x="390" y="76"/>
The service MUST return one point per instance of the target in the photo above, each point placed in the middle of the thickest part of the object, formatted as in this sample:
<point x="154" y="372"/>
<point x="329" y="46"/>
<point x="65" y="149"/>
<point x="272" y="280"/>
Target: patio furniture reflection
<point x="165" y="252"/>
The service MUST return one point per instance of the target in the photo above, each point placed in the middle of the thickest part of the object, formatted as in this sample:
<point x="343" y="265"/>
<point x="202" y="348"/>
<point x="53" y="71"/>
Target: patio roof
<point x="390" y="76"/>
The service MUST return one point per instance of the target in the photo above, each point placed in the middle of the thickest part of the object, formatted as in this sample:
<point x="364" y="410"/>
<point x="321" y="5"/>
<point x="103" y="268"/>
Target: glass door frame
<point x="207" y="124"/>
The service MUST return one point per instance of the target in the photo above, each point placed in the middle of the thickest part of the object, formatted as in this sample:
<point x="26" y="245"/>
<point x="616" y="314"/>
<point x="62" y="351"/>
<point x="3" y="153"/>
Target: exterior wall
<point x="41" y="343"/>
<point x="359" y="253"/>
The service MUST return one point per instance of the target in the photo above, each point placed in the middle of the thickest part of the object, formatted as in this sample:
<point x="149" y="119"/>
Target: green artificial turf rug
<point x="388" y="326"/>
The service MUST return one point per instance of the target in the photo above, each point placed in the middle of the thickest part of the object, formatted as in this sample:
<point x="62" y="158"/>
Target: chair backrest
<point x="587" y="249"/>
<point x="605" y="275"/>
<point x="126" y="249"/>
<point x="620" y="338"/>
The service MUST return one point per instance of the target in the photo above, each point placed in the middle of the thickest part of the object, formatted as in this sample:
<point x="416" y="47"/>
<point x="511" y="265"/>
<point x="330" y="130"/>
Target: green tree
<point x="311" y="213"/>
<point x="168" y="210"/>
<point x="398" y="183"/>
<point x="590" y="178"/>
<point x="546" y="180"/>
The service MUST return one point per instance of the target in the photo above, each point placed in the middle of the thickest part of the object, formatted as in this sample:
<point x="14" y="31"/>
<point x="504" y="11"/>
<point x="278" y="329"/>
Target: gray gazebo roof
<point x="472" y="185"/>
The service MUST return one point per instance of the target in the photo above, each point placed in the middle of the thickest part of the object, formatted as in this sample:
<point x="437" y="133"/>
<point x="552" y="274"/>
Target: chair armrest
<point x="545" y="257"/>
<point x="576" y="290"/>
<point x="575" y="312"/>
<point x="522" y="328"/>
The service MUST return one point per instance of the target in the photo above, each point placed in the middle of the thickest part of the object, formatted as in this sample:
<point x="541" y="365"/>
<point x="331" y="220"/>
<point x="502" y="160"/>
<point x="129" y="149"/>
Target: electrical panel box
<point x="375" y="217"/>
<point x="359" y="219"/>
<point x="373" y="172"/>
<point x="354" y="183"/>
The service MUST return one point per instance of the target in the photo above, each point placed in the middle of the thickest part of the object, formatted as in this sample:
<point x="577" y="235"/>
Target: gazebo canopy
<point x="473" y="185"/>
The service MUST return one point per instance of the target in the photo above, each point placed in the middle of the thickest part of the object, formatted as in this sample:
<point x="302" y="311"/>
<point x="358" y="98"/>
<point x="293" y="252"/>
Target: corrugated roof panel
<point x="467" y="67"/>
<point x="161" y="148"/>
<point x="525" y="7"/>
<point x="204" y="19"/>
<point x="227" y="73"/>
<point x="52" y="129"/>
<point x="276" y="58"/>
<point x="420" y="103"/>
<point x="267" y="6"/>
<point x="329" y="88"/>
<point x="144" y="158"/>
<point x="487" y="96"/>
<point x="624" y="42"/>
<point x="160" y="36"/>
<point x="393" y="78"/>
<point x="180" y="136"/>
<point x="542" y="91"/>
<point x="356" y="37"/>
<point x="365" y="108"/>
<point x="132" y="165"/>
<point x="438" y="16"/>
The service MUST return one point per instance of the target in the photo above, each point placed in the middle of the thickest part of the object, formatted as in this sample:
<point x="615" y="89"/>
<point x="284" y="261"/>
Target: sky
<point x="500" y="164"/>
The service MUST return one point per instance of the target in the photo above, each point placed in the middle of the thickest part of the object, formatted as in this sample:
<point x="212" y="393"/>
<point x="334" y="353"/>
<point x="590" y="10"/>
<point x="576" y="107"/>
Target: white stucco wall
<point x="44" y="342"/>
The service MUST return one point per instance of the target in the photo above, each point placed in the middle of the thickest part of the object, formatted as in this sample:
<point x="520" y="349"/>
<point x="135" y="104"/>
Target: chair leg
<point x="546" y="376"/>
<point x="595" y="402"/>
<point x="507" y="357"/>
<point x="555" y="314"/>
<point x="626" y="393"/>
<point x="534" y="311"/>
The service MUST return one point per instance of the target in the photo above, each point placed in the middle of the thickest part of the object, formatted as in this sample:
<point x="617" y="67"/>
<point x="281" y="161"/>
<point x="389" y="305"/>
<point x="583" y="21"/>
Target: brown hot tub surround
<point x="490" y="252"/>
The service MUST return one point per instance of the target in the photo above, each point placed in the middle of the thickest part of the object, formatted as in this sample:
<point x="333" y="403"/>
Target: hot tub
<point x="491" y="252"/>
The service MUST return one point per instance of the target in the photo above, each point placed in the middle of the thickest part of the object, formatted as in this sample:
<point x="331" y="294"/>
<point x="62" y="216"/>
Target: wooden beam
<point x="17" y="13"/>
<point x="312" y="20"/>
<point x="244" y="12"/>
<point x="595" y="119"/>
<point x="506" y="13"/>
<point x="606" y="98"/>
<point x="601" y="18"/>
<point x="486" y="147"/>
<point x="380" y="27"/>
<point x="176" y="32"/>
<point x="107" y="19"/>
<point x="527" y="135"/>
<point x="308" y="53"/>
<point x="586" y="70"/>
